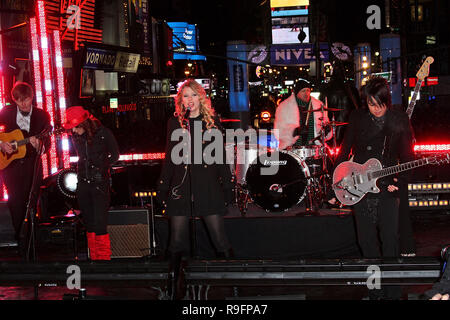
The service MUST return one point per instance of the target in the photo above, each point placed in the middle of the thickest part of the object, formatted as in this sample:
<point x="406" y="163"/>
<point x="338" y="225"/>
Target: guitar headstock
<point x="424" y="71"/>
<point x="439" y="159"/>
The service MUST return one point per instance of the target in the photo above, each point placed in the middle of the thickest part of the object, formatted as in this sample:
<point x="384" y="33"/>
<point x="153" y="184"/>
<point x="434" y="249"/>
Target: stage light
<point x="67" y="181"/>
<point x="265" y="116"/>
<point x="58" y="194"/>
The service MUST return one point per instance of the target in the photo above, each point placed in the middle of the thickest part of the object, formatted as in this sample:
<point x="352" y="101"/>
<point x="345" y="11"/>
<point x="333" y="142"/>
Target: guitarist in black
<point x="18" y="175"/>
<point x="377" y="131"/>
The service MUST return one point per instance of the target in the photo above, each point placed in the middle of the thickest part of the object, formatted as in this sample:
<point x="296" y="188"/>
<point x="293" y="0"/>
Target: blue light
<point x="285" y="13"/>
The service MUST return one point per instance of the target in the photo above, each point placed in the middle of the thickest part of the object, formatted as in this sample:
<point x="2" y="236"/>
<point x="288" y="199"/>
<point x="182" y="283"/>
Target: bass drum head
<point x="277" y="180"/>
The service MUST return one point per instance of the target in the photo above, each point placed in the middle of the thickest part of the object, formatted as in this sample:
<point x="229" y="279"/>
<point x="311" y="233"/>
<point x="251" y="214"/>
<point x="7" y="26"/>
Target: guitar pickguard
<point x="355" y="181"/>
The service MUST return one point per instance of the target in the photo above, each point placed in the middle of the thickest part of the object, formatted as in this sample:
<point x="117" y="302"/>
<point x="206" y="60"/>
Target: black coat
<point x="365" y="140"/>
<point x="95" y="159"/>
<point x="211" y="183"/>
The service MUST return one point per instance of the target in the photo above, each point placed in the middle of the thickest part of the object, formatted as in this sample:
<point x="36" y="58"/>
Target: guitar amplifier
<point x="129" y="232"/>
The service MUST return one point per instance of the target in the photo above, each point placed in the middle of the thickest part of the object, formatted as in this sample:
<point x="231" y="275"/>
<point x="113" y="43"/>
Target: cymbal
<point x="337" y="123"/>
<point x="324" y="109"/>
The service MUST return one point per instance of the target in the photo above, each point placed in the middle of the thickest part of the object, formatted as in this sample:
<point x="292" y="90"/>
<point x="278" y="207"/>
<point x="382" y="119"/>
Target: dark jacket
<point x="95" y="159"/>
<point x="39" y="121"/>
<point x="365" y="140"/>
<point x="211" y="183"/>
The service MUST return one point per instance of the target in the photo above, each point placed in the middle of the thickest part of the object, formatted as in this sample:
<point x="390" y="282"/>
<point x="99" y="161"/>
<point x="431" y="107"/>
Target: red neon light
<point x="432" y="81"/>
<point x="230" y="120"/>
<point x="134" y="157"/>
<point x="334" y="152"/>
<point x="432" y="148"/>
<point x="143" y="156"/>
<point x="37" y="80"/>
<point x="2" y="82"/>
<point x="48" y="88"/>
<point x="57" y="19"/>
<point x="5" y="193"/>
<point x="61" y="94"/>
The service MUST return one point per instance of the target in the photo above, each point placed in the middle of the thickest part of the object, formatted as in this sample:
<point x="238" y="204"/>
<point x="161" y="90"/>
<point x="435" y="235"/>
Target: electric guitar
<point x="351" y="181"/>
<point x="18" y="142"/>
<point x="423" y="72"/>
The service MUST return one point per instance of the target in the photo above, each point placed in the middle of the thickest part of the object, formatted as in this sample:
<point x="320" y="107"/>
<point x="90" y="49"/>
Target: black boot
<point x="175" y="285"/>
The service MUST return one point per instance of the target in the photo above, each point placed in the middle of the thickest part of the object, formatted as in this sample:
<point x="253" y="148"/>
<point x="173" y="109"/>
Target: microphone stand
<point x="32" y="201"/>
<point x="30" y="216"/>
<point x="191" y="195"/>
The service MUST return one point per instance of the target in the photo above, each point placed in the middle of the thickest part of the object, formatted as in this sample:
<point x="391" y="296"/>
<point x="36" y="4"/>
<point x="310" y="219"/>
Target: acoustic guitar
<point x="19" y="142"/>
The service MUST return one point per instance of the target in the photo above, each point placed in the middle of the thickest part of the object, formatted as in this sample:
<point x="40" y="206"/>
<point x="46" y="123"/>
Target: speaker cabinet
<point x="129" y="232"/>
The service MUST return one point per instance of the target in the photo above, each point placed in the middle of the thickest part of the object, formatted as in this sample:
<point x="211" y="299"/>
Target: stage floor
<point x="273" y="232"/>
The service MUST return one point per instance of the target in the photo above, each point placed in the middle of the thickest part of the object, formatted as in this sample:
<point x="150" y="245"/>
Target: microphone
<point x="187" y="113"/>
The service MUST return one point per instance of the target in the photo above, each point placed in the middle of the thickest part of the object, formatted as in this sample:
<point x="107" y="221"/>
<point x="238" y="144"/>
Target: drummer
<point x="299" y="119"/>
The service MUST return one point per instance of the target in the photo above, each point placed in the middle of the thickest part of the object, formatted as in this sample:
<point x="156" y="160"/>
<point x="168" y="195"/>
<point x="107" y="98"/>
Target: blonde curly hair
<point x="205" y="104"/>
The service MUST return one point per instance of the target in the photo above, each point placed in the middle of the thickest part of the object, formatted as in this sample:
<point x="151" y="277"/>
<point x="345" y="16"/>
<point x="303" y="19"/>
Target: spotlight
<point x="58" y="194"/>
<point x="67" y="181"/>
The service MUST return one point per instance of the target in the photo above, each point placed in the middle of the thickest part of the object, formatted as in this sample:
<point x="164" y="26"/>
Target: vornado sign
<point x="109" y="60"/>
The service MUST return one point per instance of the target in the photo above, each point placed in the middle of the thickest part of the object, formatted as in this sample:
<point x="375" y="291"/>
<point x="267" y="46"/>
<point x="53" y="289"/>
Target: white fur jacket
<point x="287" y="118"/>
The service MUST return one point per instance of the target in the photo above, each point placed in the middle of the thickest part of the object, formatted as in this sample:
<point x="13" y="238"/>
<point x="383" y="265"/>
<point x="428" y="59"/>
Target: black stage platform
<point x="276" y="250"/>
<point x="291" y="234"/>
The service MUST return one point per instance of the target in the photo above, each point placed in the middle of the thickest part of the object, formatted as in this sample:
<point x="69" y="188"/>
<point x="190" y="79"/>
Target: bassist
<point x="18" y="176"/>
<point x="377" y="131"/>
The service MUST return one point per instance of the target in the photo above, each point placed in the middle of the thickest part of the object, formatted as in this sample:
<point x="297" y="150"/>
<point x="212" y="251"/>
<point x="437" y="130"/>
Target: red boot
<point x="92" y="245"/>
<point x="103" y="247"/>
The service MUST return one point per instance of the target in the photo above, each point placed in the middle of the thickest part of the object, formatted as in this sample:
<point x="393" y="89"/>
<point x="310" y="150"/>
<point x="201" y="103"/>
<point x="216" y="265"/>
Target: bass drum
<point x="277" y="180"/>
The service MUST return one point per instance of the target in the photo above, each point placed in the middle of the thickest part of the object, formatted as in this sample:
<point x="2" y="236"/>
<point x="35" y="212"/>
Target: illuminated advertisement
<point x="238" y="75"/>
<point x="288" y="23"/>
<point x="185" y="41"/>
<point x="289" y="13"/>
<point x="288" y="3"/>
<point x="297" y="54"/>
<point x="289" y="35"/>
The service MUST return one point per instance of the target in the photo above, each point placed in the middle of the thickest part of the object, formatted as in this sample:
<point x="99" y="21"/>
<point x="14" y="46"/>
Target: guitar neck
<point x="23" y="142"/>
<point x="27" y="140"/>
<point x="410" y="109"/>
<point x="399" y="168"/>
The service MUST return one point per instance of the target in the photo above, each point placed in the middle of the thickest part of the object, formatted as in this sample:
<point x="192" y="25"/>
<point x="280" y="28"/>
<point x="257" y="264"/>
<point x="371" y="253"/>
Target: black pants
<point x="377" y="218"/>
<point x="179" y="233"/>
<point x="94" y="200"/>
<point x="18" y="177"/>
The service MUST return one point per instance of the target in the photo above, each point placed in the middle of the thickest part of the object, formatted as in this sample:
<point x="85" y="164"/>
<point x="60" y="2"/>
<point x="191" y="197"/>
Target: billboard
<point x="185" y="41"/>
<point x="297" y="54"/>
<point x="287" y="23"/>
<point x="288" y="3"/>
<point x="288" y="35"/>
<point x="238" y="75"/>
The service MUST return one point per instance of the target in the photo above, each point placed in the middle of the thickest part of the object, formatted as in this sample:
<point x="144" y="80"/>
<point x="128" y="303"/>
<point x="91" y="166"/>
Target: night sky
<point x="225" y="20"/>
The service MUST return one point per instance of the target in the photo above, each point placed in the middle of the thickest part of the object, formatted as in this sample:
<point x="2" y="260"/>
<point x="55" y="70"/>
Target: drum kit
<point x="276" y="180"/>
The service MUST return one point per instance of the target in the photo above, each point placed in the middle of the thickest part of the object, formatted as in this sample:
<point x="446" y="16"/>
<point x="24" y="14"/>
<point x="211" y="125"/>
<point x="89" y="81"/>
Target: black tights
<point x="179" y="233"/>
